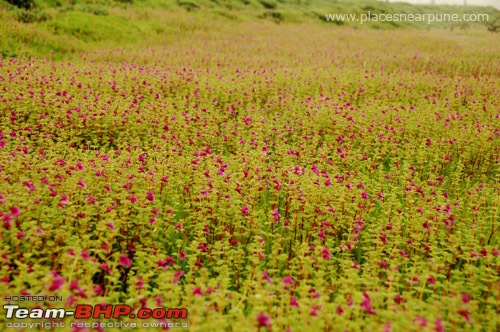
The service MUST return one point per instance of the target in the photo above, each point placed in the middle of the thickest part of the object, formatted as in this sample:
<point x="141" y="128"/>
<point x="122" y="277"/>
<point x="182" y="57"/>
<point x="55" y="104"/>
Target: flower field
<point x="265" y="177"/>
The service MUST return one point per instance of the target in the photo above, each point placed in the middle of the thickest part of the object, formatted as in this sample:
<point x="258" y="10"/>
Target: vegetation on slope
<point x="57" y="28"/>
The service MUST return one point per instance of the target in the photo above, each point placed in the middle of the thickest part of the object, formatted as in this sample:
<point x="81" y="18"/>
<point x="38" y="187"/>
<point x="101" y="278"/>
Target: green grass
<point x="60" y="29"/>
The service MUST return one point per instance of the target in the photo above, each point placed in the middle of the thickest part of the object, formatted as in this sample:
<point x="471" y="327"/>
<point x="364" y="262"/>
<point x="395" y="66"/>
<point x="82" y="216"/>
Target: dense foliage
<point x="296" y="177"/>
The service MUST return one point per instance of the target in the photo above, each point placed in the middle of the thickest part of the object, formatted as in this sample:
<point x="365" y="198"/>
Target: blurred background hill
<point x="62" y="27"/>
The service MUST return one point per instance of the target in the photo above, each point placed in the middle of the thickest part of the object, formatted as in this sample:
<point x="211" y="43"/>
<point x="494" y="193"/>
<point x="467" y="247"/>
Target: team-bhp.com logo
<point x="83" y="311"/>
<point x="106" y="311"/>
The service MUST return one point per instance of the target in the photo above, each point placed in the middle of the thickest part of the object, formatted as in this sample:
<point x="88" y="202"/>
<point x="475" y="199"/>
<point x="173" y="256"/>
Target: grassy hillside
<point x="60" y="28"/>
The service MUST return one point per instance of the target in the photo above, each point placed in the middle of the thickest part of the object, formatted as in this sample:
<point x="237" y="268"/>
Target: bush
<point x="188" y="5"/>
<point x="31" y="15"/>
<point x="269" y="4"/>
<point x="24" y="4"/>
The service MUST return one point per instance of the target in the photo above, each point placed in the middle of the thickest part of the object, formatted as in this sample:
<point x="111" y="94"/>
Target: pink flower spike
<point x="30" y="185"/>
<point x="150" y="196"/>
<point x="125" y="261"/>
<point x="339" y="310"/>
<point x="263" y="320"/>
<point x="293" y="302"/>
<point x="14" y="211"/>
<point x="82" y="184"/>
<point x="438" y="325"/>
<point x="197" y="291"/>
<point x="420" y="320"/>
<point x="464" y="314"/>
<point x="57" y="283"/>
<point x="245" y="210"/>
<point x="132" y="198"/>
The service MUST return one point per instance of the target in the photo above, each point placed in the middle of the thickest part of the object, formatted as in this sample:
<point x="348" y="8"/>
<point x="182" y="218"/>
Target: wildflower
<point x="91" y="200"/>
<point x="276" y="215"/>
<point x="399" y="299"/>
<point x="85" y="254"/>
<point x="266" y="277"/>
<point x="140" y="283"/>
<point x="132" y="198"/>
<point x="287" y="280"/>
<point x="14" y="211"/>
<point x="421" y="321"/>
<point x="197" y="291"/>
<point x="314" y="311"/>
<point x="366" y="304"/>
<point x="245" y="210"/>
<point x="293" y="302"/>
<point x="431" y="280"/>
<point x="339" y="310"/>
<point x="438" y="325"/>
<point x="125" y="261"/>
<point x="263" y="321"/>
<point x="326" y="253"/>
<point x="57" y="282"/>
<point x="464" y="314"/>
<point x="29" y="185"/>
<point x="150" y="196"/>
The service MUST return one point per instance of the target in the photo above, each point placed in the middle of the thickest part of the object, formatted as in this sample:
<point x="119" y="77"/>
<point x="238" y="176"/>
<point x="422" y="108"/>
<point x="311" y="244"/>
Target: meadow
<point x="267" y="177"/>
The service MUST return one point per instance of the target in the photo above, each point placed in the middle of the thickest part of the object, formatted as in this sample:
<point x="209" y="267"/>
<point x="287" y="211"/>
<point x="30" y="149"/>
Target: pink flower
<point x="30" y="185"/>
<point x="98" y="290"/>
<point x="293" y="302"/>
<point x="14" y="211"/>
<point x="339" y="310"/>
<point x="364" y="195"/>
<point x="132" y="198"/>
<point x="421" y="321"/>
<point x="140" y="283"/>
<point x="64" y="200"/>
<point x="326" y="253"/>
<point x="399" y="299"/>
<point x="464" y="314"/>
<point x="82" y="184"/>
<point x="91" y="200"/>
<point x="125" y="261"/>
<point x="314" y="311"/>
<point x="402" y="253"/>
<point x="266" y="277"/>
<point x="438" y="325"/>
<point x="263" y="320"/>
<point x="105" y="267"/>
<point x="366" y="304"/>
<point x="276" y="215"/>
<point x="197" y="291"/>
<point x="431" y="280"/>
<point x="287" y="280"/>
<point x="150" y="196"/>
<point x="110" y="225"/>
<point x="465" y="298"/>
<point x="85" y="254"/>
<point x="245" y="210"/>
<point x="57" y="283"/>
